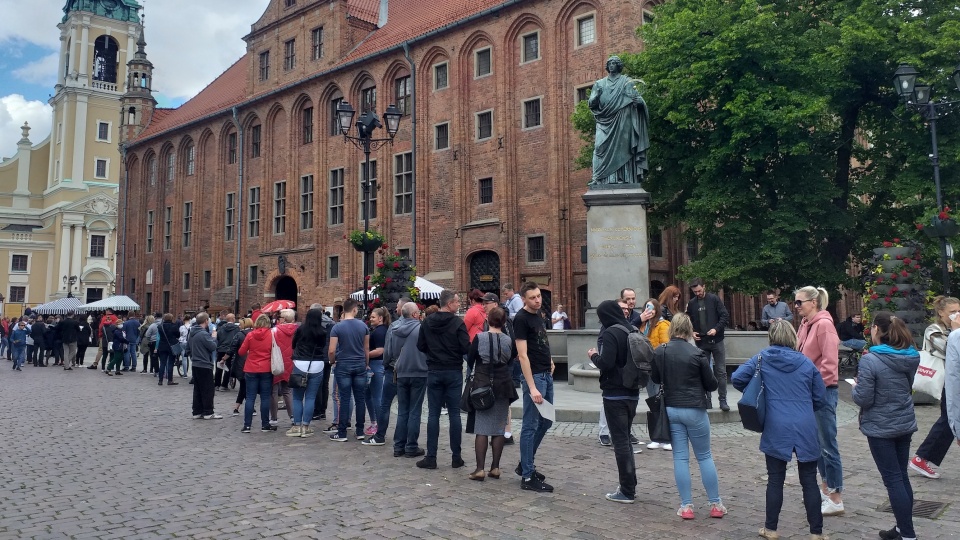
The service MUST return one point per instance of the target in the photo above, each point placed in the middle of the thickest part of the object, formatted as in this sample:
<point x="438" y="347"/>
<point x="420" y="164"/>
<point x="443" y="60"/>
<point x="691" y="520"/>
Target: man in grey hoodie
<point x="411" y="370"/>
<point x="202" y="346"/>
<point x="389" y="381"/>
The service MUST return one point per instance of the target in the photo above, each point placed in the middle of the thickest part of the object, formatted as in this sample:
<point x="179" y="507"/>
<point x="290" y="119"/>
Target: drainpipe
<point x="123" y="225"/>
<point x="413" y="137"/>
<point x="239" y="212"/>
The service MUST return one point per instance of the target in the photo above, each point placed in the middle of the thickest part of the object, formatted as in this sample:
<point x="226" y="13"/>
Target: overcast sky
<point x="190" y="42"/>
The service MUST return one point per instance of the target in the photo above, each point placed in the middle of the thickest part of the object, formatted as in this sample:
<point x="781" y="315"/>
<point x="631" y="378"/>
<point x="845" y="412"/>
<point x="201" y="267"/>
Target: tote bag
<point x="276" y="356"/>
<point x="658" y="424"/>
<point x="929" y="378"/>
<point x="752" y="405"/>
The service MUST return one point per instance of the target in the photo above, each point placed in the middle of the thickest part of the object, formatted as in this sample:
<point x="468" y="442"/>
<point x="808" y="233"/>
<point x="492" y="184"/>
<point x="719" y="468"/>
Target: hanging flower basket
<point x="366" y="242"/>
<point x="941" y="228"/>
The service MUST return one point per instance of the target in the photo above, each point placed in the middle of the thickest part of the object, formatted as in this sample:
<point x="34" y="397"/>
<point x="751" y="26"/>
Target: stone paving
<point x="87" y="456"/>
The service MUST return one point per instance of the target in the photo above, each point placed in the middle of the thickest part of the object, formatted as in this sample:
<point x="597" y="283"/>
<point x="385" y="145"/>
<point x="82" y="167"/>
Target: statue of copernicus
<point x="622" y="139"/>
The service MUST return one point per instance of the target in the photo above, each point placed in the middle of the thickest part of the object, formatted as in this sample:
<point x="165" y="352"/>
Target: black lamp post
<point x="917" y="97"/>
<point x="365" y="141"/>
<point x="69" y="282"/>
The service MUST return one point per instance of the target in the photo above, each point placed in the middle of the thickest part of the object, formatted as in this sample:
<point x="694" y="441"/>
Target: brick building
<point x="255" y="161"/>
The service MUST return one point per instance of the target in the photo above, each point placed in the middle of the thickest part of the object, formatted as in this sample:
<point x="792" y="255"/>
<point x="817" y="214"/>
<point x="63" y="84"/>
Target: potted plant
<point x="939" y="225"/>
<point x="366" y="242"/>
<point x="394" y="278"/>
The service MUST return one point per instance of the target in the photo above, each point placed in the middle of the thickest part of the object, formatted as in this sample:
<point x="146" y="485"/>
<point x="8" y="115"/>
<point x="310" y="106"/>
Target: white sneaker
<point x="668" y="447"/>
<point x="653" y="445"/>
<point x="274" y="422"/>
<point x="830" y="508"/>
<point x="213" y="416"/>
<point x="197" y="416"/>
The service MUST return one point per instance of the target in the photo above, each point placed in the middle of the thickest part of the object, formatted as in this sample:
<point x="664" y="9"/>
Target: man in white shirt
<point x="558" y="318"/>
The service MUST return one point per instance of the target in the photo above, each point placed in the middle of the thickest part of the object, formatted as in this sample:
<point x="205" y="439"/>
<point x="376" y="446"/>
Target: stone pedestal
<point x="617" y="251"/>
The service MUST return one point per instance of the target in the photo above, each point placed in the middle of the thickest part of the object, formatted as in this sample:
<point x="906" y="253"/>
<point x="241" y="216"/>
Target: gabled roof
<point x="224" y="92"/>
<point x="407" y="21"/>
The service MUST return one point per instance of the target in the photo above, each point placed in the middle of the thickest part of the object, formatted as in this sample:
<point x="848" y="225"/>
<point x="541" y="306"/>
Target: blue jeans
<point x="892" y="457"/>
<point x="351" y="381"/>
<point x="374" y="389"/>
<point x="304" y="399"/>
<point x="386" y="401"/>
<point x="130" y="355"/>
<point x="258" y="384"/>
<point x="410" y="392"/>
<point x="855" y="344"/>
<point x="185" y="360"/>
<point x="166" y="365"/>
<point x="693" y="425"/>
<point x="443" y="389"/>
<point x="831" y="469"/>
<point x="534" y="425"/>
<point x="19" y="355"/>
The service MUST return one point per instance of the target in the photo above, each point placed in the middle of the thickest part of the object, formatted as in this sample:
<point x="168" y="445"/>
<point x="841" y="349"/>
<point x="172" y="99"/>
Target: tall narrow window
<point x="232" y="148"/>
<point x="206" y="279"/>
<point x="255" y="141"/>
<point x="483" y="62"/>
<point x="279" y="207"/>
<point x="334" y="119"/>
<point x="252" y="274"/>
<point x="307" y="125"/>
<point x="403" y="183"/>
<point x="402" y="93"/>
<point x="100" y="168"/>
<point x="186" y="281"/>
<point x="289" y="54"/>
<point x="98" y="244"/>
<point x="191" y="159"/>
<point x="230" y="216"/>
<point x="171" y="167"/>
<point x="167" y="227"/>
<point x="531" y="47"/>
<point x="336" y="197"/>
<point x="368" y="100"/>
<point x="486" y="190"/>
<point x="586" y="30"/>
<point x="535" y="249"/>
<point x="253" y="224"/>
<point x="306" y="202"/>
<point x="440" y="77"/>
<point x="442" y="136"/>
<point x="152" y="168"/>
<point x="333" y="267"/>
<point x="103" y="131"/>
<point x="264" y="65"/>
<point x="228" y="277"/>
<point x="531" y="113"/>
<point x="317" y="43"/>
<point x="656" y="242"/>
<point x="372" y="177"/>
<point x="484" y="125"/>
<point x="149" y="231"/>
<point x="187" y="223"/>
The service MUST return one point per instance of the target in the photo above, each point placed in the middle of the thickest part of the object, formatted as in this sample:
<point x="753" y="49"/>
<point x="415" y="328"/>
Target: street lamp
<point x="365" y="141"/>
<point x="918" y="97"/>
<point x="69" y="282"/>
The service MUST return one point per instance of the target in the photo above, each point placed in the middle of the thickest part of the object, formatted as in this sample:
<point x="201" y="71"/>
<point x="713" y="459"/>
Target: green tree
<point x="777" y="139"/>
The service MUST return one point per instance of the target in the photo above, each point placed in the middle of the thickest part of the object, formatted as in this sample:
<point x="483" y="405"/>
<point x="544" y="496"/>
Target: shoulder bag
<point x="176" y="348"/>
<point x="752" y="405"/>
<point x="658" y="423"/>
<point x="482" y="398"/>
<point x="298" y="379"/>
<point x="276" y="355"/>
<point x="930" y="374"/>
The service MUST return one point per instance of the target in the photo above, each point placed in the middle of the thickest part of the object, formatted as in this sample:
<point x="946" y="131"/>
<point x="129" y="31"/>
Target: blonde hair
<point x="782" y="333"/>
<point x="288" y="315"/>
<point x="681" y="326"/>
<point x="245" y="323"/>
<point x="940" y="304"/>
<point x="262" y="322"/>
<point x="811" y="293"/>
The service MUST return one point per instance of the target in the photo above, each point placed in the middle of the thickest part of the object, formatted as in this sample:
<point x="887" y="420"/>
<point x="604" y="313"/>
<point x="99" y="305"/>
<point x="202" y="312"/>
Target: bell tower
<point x="137" y="101"/>
<point x="97" y="41"/>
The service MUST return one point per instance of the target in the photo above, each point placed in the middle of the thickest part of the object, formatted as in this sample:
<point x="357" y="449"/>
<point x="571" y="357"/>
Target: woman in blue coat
<point x="884" y="392"/>
<point x="793" y="389"/>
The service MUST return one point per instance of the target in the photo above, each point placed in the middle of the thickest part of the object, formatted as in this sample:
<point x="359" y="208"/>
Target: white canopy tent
<point x="60" y="306"/>
<point x="428" y="290"/>
<point x="116" y="303"/>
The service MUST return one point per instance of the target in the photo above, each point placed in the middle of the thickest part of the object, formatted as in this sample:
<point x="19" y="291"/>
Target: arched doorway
<point x="656" y="288"/>
<point x="485" y="271"/>
<point x="286" y="289"/>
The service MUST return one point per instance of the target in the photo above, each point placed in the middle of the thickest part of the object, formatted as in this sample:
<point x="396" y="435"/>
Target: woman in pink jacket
<point x="817" y="339"/>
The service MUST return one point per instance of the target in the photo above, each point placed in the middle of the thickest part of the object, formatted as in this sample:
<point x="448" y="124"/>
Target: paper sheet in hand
<point x="547" y="411"/>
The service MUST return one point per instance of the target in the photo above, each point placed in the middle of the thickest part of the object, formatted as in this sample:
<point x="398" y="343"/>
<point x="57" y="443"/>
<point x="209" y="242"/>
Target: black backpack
<point x="636" y="372"/>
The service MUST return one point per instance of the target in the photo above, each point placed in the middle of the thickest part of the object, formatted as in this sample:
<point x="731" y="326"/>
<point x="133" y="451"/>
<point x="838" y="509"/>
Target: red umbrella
<point x="277" y="305"/>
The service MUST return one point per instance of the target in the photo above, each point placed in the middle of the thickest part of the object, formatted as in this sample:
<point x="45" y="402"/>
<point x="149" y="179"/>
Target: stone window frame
<point x="98" y="137"/>
<point x="26" y="293"/>
<point x="333" y="263"/>
<point x="106" y="168"/>
<point x="446" y="65"/>
<point x="578" y="42"/>
<point x="26" y="270"/>
<point x="436" y="127"/>
<point x="523" y="48"/>
<point x="476" y="62"/>
<point x="523" y="113"/>
<point x="253" y="275"/>
<point x="476" y="117"/>
<point x="480" y="190"/>
<point x="526" y="251"/>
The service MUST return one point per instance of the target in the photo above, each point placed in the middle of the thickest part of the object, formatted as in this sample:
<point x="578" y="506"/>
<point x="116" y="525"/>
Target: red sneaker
<point x="924" y="467"/>
<point x="686" y="512"/>
<point x="717" y="510"/>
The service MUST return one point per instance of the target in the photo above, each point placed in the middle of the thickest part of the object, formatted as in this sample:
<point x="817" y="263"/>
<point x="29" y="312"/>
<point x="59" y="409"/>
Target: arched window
<point x="190" y="163"/>
<point x="132" y="116"/>
<point x="105" y="57"/>
<point x="152" y="170"/>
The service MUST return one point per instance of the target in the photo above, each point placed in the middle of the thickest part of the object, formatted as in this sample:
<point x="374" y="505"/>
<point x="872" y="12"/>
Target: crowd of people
<point x="475" y="364"/>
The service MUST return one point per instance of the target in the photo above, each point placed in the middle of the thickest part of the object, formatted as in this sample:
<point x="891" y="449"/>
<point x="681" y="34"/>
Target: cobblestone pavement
<point x="87" y="456"/>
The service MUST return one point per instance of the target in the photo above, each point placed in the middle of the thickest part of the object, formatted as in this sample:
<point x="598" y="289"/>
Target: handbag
<point x="930" y="375"/>
<point x="752" y="405"/>
<point x="482" y="398"/>
<point x="276" y="356"/>
<point x="298" y="379"/>
<point x="658" y="424"/>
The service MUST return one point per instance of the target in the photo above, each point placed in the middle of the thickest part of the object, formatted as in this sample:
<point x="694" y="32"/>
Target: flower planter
<point x="367" y="245"/>
<point x="941" y="228"/>
<point x="894" y="251"/>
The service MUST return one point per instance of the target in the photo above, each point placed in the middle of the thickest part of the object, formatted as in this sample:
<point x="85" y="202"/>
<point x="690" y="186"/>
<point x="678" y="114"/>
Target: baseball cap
<point x="490" y="297"/>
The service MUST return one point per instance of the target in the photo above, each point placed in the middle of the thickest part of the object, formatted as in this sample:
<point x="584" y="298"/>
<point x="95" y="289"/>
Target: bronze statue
<point x="622" y="139"/>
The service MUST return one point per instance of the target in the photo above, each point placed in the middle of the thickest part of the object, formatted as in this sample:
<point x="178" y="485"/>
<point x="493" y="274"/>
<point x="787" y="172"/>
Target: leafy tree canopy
<point x="776" y="136"/>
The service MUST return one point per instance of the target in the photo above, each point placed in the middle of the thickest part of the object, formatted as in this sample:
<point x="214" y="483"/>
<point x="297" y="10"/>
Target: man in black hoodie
<point x="620" y="396"/>
<point x="38" y="332"/>
<point x="69" y="330"/>
<point x="443" y="338"/>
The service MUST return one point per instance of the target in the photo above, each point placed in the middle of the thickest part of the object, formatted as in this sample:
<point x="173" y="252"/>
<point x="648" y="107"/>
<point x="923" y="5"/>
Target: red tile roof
<point x="224" y="92"/>
<point x="407" y="20"/>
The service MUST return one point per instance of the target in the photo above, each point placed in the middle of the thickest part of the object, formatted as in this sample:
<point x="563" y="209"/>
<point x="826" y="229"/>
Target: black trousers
<point x="940" y="439"/>
<point x="202" y="391"/>
<point x="221" y="377"/>
<point x="776" y="475"/>
<point x="620" y="413"/>
<point x="81" y="351"/>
